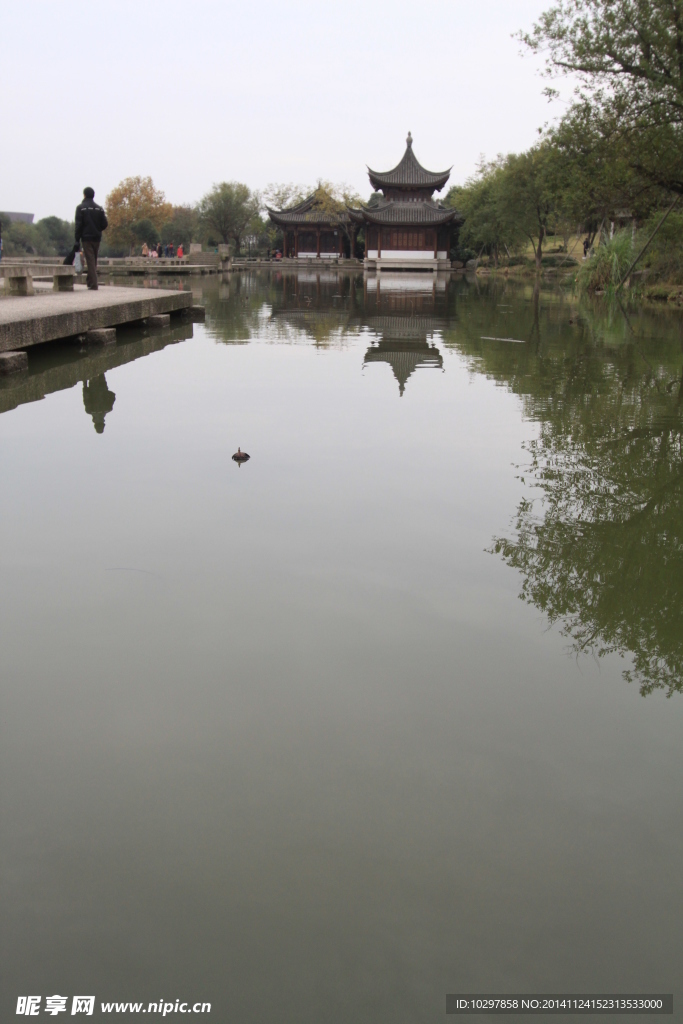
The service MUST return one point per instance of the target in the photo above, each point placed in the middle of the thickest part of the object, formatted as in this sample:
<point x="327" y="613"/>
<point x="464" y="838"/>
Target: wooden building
<point x="406" y="228"/>
<point x="311" y="229"/>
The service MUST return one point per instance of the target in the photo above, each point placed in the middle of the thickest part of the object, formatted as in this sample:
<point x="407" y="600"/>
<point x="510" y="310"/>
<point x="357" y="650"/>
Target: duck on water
<point x="240" y="456"/>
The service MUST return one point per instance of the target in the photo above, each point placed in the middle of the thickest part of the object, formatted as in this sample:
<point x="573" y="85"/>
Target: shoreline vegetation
<point x="593" y="202"/>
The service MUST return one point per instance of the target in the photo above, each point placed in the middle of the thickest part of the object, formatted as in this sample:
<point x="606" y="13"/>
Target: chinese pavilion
<point x="406" y="228"/>
<point x="312" y="231"/>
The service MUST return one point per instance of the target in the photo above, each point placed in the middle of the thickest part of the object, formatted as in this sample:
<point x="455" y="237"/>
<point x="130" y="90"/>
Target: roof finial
<point x="409" y="140"/>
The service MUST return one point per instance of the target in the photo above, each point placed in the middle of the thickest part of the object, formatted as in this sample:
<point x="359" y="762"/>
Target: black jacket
<point x="91" y="220"/>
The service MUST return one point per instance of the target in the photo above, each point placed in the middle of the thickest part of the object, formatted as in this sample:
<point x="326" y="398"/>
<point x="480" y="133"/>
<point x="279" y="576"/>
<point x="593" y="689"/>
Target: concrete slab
<point x="12" y="362"/>
<point x="159" y="320"/>
<point x="103" y="335"/>
<point x="48" y="315"/>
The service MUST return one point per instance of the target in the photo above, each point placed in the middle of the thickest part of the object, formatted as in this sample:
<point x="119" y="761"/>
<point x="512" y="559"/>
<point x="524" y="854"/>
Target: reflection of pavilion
<point x="403" y="344"/>
<point x="405" y="321"/>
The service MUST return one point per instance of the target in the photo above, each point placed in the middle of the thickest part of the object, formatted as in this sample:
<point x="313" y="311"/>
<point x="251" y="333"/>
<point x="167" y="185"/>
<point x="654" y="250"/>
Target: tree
<point x="182" y="227"/>
<point x="528" y="195"/>
<point x="145" y="231"/>
<point x="334" y="201"/>
<point x="627" y="57"/>
<point x="134" y="200"/>
<point x="488" y="225"/>
<point x="280" y="196"/>
<point x="51" y="236"/>
<point x="58" y="233"/>
<point x="227" y="209"/>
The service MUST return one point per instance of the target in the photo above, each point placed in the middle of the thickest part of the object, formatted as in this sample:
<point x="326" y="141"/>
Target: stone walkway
<point x="47" y="315"/>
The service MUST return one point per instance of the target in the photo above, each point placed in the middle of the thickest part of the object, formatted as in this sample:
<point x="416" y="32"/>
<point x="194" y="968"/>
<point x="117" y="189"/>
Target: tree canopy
<point x="132" y="201"/>
<point x="627" y="56"/>
<point x="228" y="210"/>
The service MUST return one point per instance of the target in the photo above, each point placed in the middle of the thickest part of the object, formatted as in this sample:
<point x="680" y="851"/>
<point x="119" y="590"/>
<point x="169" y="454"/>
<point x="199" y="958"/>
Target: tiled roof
<point x="409" y="173"/>
<point x="307" y="214"/>
<point x="424" y="214"/>
<point x="404" y="358"/>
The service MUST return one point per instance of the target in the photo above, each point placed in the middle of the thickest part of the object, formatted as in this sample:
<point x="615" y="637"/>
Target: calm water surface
<point x="283" y="737"/>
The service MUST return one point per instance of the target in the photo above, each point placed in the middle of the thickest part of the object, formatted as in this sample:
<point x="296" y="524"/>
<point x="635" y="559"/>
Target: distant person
<point x="586" y="247"/>
<point x="160" y="251"/>
<point x="171" y="249"/>
<point x="91" y="221"/>
<point x="145" y="249"/>
<point x="181" y="252"/>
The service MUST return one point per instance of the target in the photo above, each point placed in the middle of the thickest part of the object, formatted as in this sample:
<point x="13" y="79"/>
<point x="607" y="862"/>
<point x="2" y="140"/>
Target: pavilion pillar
<point x="436" y="242"/>
<point x="284" y="243"/>
<point x="366" y="241"/>
<point x="317" y="242"/>
<point x="379" y="243"/>
<point x="296" y="242"/>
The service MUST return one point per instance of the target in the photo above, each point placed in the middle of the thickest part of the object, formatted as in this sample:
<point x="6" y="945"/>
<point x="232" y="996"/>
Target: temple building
<point x="406" y="228"/>
<point x="311" y="230"/>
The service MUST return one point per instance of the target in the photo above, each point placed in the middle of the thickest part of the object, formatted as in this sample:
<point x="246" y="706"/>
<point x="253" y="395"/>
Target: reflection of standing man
<point x="98" y="400"/>
<point x="91" y="220"/>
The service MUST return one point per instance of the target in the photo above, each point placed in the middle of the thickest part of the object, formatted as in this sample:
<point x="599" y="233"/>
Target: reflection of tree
<point x="98" y="400"/>
<point x="604" y="554"/>
<point x="601" y="548"/>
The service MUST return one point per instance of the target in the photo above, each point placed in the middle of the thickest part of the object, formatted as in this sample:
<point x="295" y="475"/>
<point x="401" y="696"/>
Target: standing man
<point x="91" y="220"/>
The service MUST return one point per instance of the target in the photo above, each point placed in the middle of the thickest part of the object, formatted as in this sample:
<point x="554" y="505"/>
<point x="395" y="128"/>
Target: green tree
<point x="528" y="195"/>
<point x="59" y="235"/>
<point x="278" y="196"/>
<point x="627" y="58"/>
<point x="227" y="210"/>
<point x="145" y="231"/>
<point x="182" y="228"/>
<point x="488" y="226"/>
<point x="334" y="201"/>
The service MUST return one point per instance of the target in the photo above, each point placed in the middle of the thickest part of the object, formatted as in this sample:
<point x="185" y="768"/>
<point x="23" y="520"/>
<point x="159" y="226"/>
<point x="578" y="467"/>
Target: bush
<point x="558" y="261"/>
<point x="607" y="265"/>
<point x="664" y="257"/>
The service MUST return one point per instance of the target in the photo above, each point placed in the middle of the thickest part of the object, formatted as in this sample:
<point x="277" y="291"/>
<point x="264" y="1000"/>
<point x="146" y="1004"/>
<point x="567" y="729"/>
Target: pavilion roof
<point x="307" y="213"/>
<point x="409" y="173"/>
<point x="404" y="358"/>
<point x="396" y="212"/>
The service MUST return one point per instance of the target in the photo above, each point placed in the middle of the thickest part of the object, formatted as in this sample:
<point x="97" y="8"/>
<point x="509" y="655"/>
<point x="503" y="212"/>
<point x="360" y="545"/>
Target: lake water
<point x="282" y="737"/>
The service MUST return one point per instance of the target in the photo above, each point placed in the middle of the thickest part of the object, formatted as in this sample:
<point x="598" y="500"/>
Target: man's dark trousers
<point x="90" y="251"/>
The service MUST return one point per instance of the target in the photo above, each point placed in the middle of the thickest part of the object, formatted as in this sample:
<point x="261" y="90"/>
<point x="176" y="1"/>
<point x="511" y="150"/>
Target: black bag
<point x="69" y="260"/>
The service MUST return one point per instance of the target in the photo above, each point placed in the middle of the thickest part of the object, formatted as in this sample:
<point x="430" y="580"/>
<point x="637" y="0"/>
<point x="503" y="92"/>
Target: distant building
<point x="310" y="230"/>
<point x="25" y="218"/>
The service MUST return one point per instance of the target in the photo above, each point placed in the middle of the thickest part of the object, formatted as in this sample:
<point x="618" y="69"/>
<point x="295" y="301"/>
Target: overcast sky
<point x="197" y="92"/>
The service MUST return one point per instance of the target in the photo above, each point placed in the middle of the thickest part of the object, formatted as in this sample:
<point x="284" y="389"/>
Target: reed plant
<point x="607" y="264"/>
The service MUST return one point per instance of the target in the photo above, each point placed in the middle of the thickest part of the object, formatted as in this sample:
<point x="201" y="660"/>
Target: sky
<point x="260" y="92"/>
